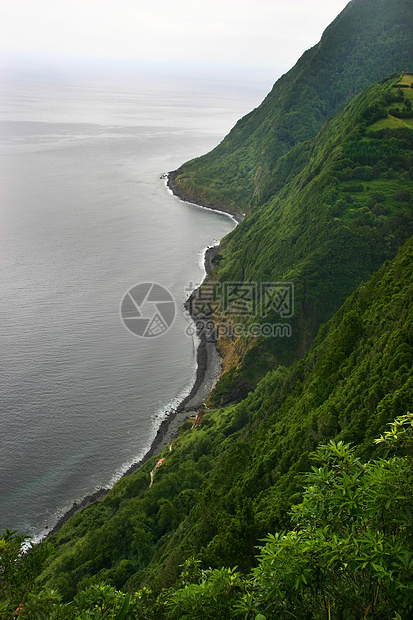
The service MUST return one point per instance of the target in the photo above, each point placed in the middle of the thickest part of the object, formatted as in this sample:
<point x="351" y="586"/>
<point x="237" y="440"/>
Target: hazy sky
<point x="241" y="32"/>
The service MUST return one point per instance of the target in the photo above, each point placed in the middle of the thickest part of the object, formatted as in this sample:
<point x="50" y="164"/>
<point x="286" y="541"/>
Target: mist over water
<point x="84" y="216"/>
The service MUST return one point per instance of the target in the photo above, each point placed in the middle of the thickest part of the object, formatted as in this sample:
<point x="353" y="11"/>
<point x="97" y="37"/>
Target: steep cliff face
<point x="342" y="205"/>
<point x="369" y="40"/>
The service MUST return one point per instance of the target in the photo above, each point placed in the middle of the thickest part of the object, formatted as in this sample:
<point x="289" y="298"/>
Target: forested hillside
<point x="368" y="41"/>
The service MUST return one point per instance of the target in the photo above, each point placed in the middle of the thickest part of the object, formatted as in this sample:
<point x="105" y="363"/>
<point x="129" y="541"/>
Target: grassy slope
<point x="392" y="122"/>
<point x="368" y="40"/>
<point x="227" y="484"/>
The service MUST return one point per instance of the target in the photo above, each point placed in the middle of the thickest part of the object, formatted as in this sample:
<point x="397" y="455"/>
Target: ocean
<point x="85" y="216"/>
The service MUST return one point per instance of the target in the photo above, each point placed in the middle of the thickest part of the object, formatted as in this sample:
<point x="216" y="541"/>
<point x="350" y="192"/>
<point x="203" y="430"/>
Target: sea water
<point x="84" y="216"/>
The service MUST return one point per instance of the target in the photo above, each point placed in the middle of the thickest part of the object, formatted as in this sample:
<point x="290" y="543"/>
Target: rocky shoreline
<point x="177" y="191"/>
<point x="207" y="374"/>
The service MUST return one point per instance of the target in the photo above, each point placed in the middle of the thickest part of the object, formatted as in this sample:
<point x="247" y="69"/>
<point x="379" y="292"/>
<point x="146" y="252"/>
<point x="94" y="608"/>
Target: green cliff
<point x="341" y="206"/>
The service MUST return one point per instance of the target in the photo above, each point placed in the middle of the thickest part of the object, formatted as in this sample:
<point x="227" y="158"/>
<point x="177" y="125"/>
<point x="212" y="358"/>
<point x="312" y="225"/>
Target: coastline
<point x="170" y="183"/>
<point x="208" y="371"/>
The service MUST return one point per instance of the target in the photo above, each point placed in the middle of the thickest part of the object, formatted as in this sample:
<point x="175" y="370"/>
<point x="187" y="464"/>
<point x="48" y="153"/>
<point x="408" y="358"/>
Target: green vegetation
<point x="397" y="108"/>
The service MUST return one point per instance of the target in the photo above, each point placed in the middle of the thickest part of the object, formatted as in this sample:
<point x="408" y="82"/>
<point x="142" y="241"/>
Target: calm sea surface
<point x="84" y="216"/>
